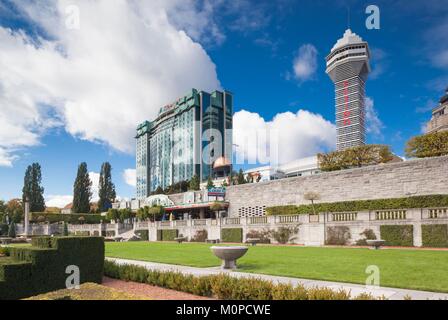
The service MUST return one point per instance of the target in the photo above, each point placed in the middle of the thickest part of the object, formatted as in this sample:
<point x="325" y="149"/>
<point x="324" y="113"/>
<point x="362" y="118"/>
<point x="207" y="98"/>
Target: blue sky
<point x="69" y="95"/>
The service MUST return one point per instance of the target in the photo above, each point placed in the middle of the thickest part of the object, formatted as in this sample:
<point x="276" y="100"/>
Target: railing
<point x="439" y="213"/>
<point x="390" y="215"/>
<point x="232" y="221"/>
<point x="258" y="220"/>
<point x="343" y="216"/>
<point x="181" y="223"/>
<point x="200" y="222"/>
<point x="142" y="225"/>
<point x="165" y="223"/>
<point x="288" y="219"/>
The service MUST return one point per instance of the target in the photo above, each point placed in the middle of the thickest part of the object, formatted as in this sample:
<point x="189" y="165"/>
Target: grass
<point x="407" y="268"/>
<point x="87" y="291"/>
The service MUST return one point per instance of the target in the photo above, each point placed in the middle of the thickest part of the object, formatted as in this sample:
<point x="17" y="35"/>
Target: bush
<point x="169" y="235"/>
<point x="284" y="235"/>
<point x="432" y="201"/>
<point x="428" y="145"/>
<point x="143" y="234"/>
<point x="435" y="235"/>
<point x="3" y="229"/>
<point x="200" y="236"/>
<point x="232" y="235"/>
<point x="12" y="230"/>
<point x="263" y="235"/>
<point x="42" y="267"/>
<point x="338" y="236"/>
<point x="368" y="234"/>
<point x="355" y="157"/>
<point x="69" y="218"/>
<point x="400" y="235"/>
<point x="223" y="286"/>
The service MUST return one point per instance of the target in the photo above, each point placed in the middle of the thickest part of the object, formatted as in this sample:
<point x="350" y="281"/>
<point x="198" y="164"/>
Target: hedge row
<point x="42" y="267"/>
<point x="435" y="235"/>
<point x="143" y="234"/>
<point x="69" y="218"/>
<point x="224" y="287"/>
<point x="167" y="235"/>
<point x="432" y="201"/>
<point x="398" y="235"/>
<point x="232" y="235"/>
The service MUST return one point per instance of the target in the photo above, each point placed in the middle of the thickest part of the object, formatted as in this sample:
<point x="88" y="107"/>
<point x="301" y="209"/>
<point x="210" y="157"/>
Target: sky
<point x="77" y="77"/>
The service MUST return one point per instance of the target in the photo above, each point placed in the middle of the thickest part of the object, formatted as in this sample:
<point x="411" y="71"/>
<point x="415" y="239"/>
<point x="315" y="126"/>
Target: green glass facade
<point x="184" y="140"/>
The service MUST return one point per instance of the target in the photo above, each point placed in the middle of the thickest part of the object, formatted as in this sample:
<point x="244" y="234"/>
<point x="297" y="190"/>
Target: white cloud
<point x="298" y="135"/>
<point x="58" y="201"/>
<point x="129" y="176"/>
<point x="305" y="62"/>
<point x="95" y="178"/>
<point x="374" y="125"/>
<point x="99" y="82"/>
<point x="379" y="63"/>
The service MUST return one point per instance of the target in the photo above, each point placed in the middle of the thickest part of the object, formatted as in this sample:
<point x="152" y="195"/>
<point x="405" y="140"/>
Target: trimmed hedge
<point x="3" y="229"/>
<point x="224" y="287"/>
<point x="435" y="235"/>
<point x="399" y="235"/>
<point x="167" y="235"/>
<point x="232" y="235"/>
<point x="432" y="201"/>
<point x="42" y="267"/>
<point x="143" y="234"/>
<point x="69" y="218"/>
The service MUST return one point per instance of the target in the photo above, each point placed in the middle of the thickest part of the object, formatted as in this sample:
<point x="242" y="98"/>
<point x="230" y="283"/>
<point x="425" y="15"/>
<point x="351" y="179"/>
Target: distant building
<point x="297" y="168"/>
<point x="439" y="120"/>
<point x="348" y="67"/>
<point x="184" y="141"/>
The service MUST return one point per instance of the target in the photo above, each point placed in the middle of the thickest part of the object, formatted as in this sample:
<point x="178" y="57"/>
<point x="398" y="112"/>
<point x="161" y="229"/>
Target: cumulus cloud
<point x="126" y="60"/>
<point x="379" y="63"/>
<point x="58" y="201"/>
<point x="289" y="135"/>
<point x="374" y="125"/>
<point x="305" y="62"/>
<point x="129" y="176"/>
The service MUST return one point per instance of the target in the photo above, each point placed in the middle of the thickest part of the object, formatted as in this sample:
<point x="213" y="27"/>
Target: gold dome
<point x="221" y="162"/>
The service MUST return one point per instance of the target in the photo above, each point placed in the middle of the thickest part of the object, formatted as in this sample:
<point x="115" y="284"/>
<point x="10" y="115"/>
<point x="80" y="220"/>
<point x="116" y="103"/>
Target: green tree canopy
<point x="82" y="190"/>
<point x="428" y="145"/>
<point x="106" y="191"/>
<point x="241" y="179"/>
<point x="32" y="188"/>
<point x="194" y="183"/>
<point x="210" y="183"/>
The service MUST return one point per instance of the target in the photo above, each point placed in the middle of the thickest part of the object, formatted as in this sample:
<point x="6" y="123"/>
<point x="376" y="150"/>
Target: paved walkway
<point x="354" y="289"/>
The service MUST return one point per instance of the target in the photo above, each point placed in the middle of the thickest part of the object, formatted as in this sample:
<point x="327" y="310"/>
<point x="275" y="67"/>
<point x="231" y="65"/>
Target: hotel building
<point x="185" y="139"/>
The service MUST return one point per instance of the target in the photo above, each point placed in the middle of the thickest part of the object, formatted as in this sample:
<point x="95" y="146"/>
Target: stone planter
<point x="229" y="255"/>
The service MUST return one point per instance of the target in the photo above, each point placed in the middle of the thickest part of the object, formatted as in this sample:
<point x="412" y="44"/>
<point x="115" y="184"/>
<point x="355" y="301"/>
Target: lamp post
<point x="27" y="216"/>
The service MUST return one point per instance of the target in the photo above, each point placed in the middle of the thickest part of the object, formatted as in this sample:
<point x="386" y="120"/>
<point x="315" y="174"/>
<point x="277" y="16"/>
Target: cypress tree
<point x="210" y="183"/>
<point x="12" y="230"/>
<point x="106" y="191"/>
<point x="82" y="190"/>
<point x="241" y="179"/>
<point x="65" y="231"/>
<point x="194" y="183"/>
<point x="33" y="189"/>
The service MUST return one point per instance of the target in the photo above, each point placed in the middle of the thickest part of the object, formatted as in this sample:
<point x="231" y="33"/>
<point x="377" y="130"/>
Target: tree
<point x="14" y="210"/>
<point x="156" y="212"/>
<point x="429" y="145"/>
<point x="194" y="183"/>
<point x="82" y="190"/>
<point x="2" y="206"/>
<point x="355" y="157"/>
<point x="210" y="183"/>
<point x="241" y="179"/>
<point x="32" y="188"/>
<point x="12" y="230"/>
<point x="312" y="196"/>
<point x="106" y="191"/>
<point x="65" y="231"/>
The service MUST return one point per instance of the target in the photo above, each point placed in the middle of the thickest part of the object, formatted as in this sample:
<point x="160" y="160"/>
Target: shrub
<point x="3" y="229"/>
<point x="200" y="236"/>
<point x="223" y="286"/>
<point x="428" y="145"/>
<point x="431" y="201"/>
<point x="338" y="236"/>
<point x="435" y="235"/>
<point x="69" y="218"/>
<point x="12" y="230"/>
<point x="263" y="235"/>
<point x="368" y="234"/>
<point x="65" y="231"/>
<point x="232" y="235"/>
<point x="284" y="235"/>
<point x="143" y="234"/>
<point x="354" y="157"/>
<point x="42" y="267"/>
<point x="399" y="235"/>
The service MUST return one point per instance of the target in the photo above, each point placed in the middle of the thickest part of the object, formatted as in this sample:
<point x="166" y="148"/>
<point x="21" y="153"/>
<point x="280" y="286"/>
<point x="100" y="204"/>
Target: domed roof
<point x="221" y="162"/>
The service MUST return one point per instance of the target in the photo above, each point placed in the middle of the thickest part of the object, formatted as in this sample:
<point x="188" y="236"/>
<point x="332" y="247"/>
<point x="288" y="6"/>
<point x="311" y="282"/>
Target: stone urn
<point x="376" y="244"/>
<point x="229" y="255"/>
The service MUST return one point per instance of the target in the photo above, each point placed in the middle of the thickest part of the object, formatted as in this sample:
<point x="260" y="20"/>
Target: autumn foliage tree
<point x="428" y="145"/>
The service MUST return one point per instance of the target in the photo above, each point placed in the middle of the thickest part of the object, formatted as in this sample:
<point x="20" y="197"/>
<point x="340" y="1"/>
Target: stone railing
<point x="390" y="215"/>
<point x="258" y="220"/>
<point x="440" y="213"/>
<point x="342" y="216"/>
<point x="232" y="221"/>
<point x="288" y="219"/>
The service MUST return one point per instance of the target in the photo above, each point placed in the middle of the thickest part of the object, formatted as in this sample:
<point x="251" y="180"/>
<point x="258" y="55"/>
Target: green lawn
<point x="411" y="269"/>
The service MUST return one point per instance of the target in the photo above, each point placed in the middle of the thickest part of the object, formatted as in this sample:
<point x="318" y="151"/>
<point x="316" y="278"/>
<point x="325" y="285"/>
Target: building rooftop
<point x="348" y="38"/>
